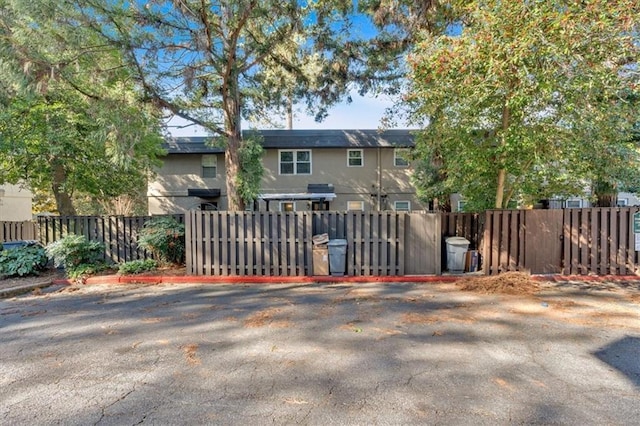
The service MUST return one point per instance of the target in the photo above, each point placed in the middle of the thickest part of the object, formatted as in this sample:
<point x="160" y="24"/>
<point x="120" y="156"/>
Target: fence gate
<point x="523" y="240"/>
<point x="543" y="239"/>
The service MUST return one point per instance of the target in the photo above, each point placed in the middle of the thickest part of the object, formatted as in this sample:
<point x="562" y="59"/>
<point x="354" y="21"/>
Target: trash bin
<point x="456" y="251"/>
<point x="337" y="257"/>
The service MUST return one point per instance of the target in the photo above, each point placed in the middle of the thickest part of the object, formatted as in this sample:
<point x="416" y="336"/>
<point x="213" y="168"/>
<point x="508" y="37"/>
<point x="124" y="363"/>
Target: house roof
<point x="283" y="139"/>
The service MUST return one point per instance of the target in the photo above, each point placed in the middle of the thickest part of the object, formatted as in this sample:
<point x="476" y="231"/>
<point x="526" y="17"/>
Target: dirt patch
<point x="191" y="353"/>
<point x="515" y="283"/>
<point x="266" y="317"/>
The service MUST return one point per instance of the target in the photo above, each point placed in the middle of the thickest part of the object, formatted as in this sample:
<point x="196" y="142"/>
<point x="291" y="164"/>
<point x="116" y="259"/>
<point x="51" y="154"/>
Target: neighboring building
<point x="304" y="170"/>
<point x="15" y="203"/>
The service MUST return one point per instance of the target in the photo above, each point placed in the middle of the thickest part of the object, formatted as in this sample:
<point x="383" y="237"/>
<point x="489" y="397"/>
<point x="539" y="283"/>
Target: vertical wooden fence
<point x="568" y="241"/>
<point x="280" y="244"/>
<point x="117" y="233"/>
<point x="15" y="231"/>
<point x="600" y="241"/>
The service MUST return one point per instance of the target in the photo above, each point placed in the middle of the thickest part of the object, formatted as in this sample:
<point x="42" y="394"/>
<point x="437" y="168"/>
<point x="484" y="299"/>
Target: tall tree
<point x="527" y="99"/>
<point x="70" y="119"/>
<point x="207" y="61"/>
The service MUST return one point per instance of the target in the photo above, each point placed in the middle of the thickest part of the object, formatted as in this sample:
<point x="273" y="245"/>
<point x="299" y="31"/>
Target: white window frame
<point x="395" y="206"/>
<point x="284" y="203"/>
<point x="361" y="158"/>
<point x="295" y="162"/>
<point x="573" y="200"/>
<point x="351" y="204"/>
<point x="461" y="204"/>
<point x="397" y="156"/>
<point x="622" y="202"/>
<point x="209" y="161"/>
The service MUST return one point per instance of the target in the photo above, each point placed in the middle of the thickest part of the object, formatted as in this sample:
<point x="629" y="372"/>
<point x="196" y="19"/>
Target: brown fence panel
<point x="280" y="243"/>
<point x="600" y="241"/>
<point x="119" y="234"/>
<point x="503" y="241"/>
<point x="16" y="231"/>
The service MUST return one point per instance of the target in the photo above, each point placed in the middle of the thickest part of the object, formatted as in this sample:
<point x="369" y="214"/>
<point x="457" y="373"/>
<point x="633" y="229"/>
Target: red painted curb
<point x="200" y="279"/>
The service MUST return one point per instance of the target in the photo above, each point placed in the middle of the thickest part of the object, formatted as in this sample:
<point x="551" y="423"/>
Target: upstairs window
<point x="355" y="205"/>
<point x="209" y="166"/>
<point x="355" y="158"/>
<point x="402" y="206"/>
<point x="400" y="157"/>
<point x="295" y="162"/>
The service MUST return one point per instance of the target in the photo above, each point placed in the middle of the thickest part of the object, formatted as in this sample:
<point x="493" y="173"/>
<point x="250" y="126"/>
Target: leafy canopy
<point x="530" y="100"/>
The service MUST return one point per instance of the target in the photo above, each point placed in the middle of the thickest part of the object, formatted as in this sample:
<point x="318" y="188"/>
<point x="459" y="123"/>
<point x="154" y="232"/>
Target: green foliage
<point x="231" y="61"/>
<point x="528" y="101"/>
<point x="22" y="261"/>
<point x="251" y="168"/>
<point x="164" y="237"/>
<point x="137" y="266"/>
<point x="72" y="122"/>
<point x="77" y="255"/>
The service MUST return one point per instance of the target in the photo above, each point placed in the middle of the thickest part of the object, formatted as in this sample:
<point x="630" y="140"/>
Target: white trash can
<point x="456" y="250"/>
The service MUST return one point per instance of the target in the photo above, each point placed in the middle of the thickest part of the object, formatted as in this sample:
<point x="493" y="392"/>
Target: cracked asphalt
<point x="322" y="354"/>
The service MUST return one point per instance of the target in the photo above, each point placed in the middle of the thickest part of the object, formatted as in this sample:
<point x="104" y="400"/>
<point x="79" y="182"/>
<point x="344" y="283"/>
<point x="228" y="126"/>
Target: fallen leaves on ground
<point x="515" y="283"/>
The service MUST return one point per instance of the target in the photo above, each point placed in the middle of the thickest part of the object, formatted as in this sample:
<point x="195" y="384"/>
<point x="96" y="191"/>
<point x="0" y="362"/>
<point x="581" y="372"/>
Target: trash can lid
<point x="338" y="242"/>
<point x="457" y="241"/>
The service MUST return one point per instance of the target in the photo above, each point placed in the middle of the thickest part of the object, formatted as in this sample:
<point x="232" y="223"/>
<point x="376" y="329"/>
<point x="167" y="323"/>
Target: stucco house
<point x="15" y="203"/>
<point x="304" y="170"/>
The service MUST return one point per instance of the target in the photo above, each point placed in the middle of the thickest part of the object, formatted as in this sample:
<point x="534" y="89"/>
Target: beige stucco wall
<point x="15" y="203"/>
<point x="168" y="193"/>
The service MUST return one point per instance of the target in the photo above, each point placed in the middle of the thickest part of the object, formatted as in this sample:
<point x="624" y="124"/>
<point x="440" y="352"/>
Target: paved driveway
<point x="319" y="354"/>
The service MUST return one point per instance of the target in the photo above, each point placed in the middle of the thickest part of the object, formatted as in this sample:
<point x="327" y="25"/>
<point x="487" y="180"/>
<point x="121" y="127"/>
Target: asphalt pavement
<point x="320" y="354"/>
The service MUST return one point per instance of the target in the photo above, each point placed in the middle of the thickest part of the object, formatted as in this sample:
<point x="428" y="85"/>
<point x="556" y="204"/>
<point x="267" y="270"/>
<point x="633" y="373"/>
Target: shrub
<point x="77" y="255"/>
<point x="137" y="266"/>
<point x="164" y="238"/>
<point x="22" y="261"/>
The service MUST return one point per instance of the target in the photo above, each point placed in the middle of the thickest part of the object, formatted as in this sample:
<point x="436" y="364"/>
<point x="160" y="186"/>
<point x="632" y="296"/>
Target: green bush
<point x="164" y="238"/>
<point x="137" y="266"/>
<point x="22" y="261"/>
<point x="77" y="255"/>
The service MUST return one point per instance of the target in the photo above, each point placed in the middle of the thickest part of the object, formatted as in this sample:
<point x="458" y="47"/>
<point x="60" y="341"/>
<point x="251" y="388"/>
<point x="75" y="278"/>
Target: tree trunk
<point x="606" y="194"/>
<point x="502" y="172"/>
<point x="231" y="102"/>
<point x="64" y="204"/>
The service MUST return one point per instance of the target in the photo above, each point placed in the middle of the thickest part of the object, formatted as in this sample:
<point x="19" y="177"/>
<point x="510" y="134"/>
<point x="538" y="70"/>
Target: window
<point x="355" y="205"/>
<point x="317" y="205"/>
<point x="287" y="206"/>
<point x="402" y="206"/>
<point x="461" y="204"/>
<point x="210" y="206"/>
<point x="209" y="166"/>
<point x="295" y="162"/>
<point x="573" y="204"/>
<point x="355" y="158"/>
<point x="400" y="157"/>
<point x="622" y="202"/>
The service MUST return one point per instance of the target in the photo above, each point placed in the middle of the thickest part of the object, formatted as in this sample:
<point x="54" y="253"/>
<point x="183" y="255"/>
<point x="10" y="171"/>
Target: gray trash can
<point x="337" y="257"/>
<point x="456" y="251"/>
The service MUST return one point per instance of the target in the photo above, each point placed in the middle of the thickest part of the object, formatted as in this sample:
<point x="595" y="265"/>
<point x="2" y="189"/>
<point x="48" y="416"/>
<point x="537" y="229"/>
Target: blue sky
<point x="364" y="112"/>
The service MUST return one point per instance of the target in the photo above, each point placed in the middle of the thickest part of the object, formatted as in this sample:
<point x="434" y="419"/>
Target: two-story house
<point x="304" y="170"/>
